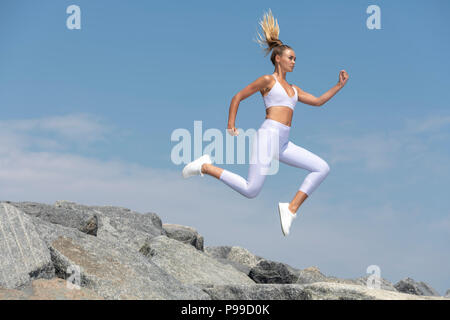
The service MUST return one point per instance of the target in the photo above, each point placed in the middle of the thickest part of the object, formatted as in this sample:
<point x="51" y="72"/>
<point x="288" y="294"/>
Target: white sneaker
<point x="194" y="168"/>
<point x="286" y="217"/>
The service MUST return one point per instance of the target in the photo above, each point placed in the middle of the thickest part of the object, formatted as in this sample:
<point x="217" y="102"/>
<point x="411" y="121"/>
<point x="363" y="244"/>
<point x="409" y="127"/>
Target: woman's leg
<point x="261" y="156"/>
<point x="299" y="157"/>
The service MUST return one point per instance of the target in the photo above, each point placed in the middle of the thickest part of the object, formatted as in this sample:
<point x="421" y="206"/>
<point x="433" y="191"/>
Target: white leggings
<point x="272" y="141"/>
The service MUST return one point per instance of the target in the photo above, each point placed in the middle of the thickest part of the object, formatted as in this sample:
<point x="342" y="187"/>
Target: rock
<point x="258" y="292"/>
<point x="447" y="294"/>
<point x="272" y="272"/>
<point x="12" y="294"/>
<point x="312" y="291"/>
<point x="23" y="255"/>
<point x="121" y="224"/>
<point x="54" y="289"/>
<point x="235" y="254"/>
<point x="82" y="219"/>
<point x="310" y="275"/>
<point x="313" y="274"/>
<point x="110" y="268"/>
<point x="240" y="258"/>
<point x="184" y="234"/>
<point x="410" y="286"/>
<point x="384" y="284"/>
<point x="190" y="265"/>
<point x="218" y="252"/>
<point x="242" y="268"/>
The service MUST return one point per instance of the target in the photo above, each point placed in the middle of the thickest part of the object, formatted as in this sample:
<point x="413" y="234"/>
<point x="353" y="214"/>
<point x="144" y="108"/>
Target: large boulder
<point x="110" y="268"/>
<point x="54" y="289"/>
<point x="410" y="286"/>
<point x="235" y="254"/>
<point x="312" y="291"/>
<point x="313" y="274"/>
<point x="310" y="275"/>
<point x="267" y="271"/>
<point x="190" y="265"/>
<point x="120" y="224"/>
<point x="240" y="258"/>
<point x="184" y="234"/>
<point x="23" y="254"/>
<point x="82" y="219"/>
<point x="384" y="284"/>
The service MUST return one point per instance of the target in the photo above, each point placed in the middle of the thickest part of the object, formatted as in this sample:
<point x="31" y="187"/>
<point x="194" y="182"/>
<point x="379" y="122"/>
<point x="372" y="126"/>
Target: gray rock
<point x="267" y="271"/>
<point x="23" y="255"/>
<point x="410" y="286"/>
<point x="384" y="284"/>
<point x="313" y="274"/>
<point x="54" y="289"/>
<point x="447" y="294"/>
<point x="312" y="291"/>
<point x="310" y="275"/>
<point x="110" y="268"/>
<point x="242" y="268"/>
<point x="258" y="292"/>
<point x="184" y="234"/>
<point x="121" y="224"/>
<point x="190" y="265"/>
<point x="83" y="219"/>
<point x="238" y="257"/>
<point x="218" y="252"/>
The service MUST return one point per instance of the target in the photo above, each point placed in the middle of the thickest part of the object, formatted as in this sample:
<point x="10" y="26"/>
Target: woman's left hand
<point x="343" y="77"/>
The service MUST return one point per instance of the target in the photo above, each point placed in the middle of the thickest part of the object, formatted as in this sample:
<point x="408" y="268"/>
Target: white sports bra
<point x="277" y="96"/>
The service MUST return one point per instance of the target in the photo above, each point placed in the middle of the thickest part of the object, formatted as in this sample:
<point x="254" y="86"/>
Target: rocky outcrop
<point x="130" y="228"/>
<point x="111" y="269"/>
<point x="23" y="254"/>
<point x="410" y="286"/>
<point x="54" y="289"/>
<point x="110" y="252"/>
<point x="240" y="258"/>
<point x="82" y="219"/>
<point x="272" y="272"/>
<point x="312" y="291"/>
<point x="184" y="234"/>
<point x="190" y="265"/>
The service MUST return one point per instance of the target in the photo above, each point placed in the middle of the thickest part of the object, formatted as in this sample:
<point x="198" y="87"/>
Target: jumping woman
<point x="272" y="138"/>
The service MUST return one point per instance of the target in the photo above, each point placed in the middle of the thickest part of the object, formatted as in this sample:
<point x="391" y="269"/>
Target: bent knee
<point x="324" y="168"/>
<point x="252" y="193"/>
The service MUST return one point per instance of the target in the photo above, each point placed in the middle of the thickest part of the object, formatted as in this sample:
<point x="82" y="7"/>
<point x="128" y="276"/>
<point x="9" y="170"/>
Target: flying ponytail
<point x="271" y="40"/>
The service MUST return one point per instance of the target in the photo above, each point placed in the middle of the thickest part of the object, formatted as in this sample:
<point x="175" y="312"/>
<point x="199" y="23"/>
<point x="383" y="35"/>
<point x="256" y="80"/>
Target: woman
<point x="272" y="138"/>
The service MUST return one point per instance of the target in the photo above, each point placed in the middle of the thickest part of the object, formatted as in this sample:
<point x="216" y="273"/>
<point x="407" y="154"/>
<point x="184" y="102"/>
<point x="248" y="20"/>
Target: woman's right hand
<point x="232" y="131"/>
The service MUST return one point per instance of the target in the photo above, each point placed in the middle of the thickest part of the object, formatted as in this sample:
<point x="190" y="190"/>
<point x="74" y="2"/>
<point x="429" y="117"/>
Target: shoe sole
<point x="281" y="220"/>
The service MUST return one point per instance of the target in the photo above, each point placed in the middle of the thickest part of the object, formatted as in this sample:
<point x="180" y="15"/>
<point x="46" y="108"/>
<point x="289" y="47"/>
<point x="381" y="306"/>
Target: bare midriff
<point x="281" y="114"/>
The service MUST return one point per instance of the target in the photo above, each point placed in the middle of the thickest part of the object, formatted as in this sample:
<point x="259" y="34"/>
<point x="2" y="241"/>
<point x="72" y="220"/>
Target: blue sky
<point x="87" y="115"/>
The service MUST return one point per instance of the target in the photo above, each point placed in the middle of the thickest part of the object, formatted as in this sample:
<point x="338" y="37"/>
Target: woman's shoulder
<point x="268" y="79"/>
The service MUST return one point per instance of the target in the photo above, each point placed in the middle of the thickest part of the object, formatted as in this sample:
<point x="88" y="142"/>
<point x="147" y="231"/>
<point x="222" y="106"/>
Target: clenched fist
<point x="233" y="131"/>
<point x="343" y="77"/>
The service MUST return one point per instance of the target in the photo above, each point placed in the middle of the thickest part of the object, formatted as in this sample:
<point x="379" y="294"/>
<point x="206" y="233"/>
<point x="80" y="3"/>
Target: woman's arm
<point x="253" y="87"/>
<point x="308" y="98"/>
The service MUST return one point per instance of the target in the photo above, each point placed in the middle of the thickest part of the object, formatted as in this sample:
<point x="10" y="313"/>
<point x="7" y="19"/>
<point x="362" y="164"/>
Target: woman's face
<point x="287" y="60"/>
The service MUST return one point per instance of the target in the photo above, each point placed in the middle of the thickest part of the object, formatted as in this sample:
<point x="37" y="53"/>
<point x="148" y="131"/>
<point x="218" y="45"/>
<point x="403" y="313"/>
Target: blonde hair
<point x="271" y="40"/>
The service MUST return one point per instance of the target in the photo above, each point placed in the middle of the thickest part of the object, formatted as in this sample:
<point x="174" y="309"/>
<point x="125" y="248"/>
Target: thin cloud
<point x="78" y="128"/>
<point x="382" y="150"/>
